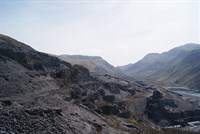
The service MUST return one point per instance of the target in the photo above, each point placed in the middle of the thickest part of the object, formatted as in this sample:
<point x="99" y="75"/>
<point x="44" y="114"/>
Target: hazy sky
<point x="120" y="31"/>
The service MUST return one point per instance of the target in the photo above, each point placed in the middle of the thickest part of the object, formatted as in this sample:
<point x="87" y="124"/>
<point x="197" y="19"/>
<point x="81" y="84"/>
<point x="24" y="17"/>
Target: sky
<point x="120" y="31"/>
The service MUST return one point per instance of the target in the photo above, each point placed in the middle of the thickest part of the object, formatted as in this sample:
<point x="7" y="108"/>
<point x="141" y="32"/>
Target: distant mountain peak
<point x="178" y="66"/>
<point x="189" y="46"/>
<point x="151" y="55"/>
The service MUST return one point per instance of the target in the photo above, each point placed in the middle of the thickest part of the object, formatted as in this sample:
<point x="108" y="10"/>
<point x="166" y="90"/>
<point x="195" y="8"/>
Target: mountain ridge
<point x="154" y="67"/>
<point x="95" y="64"/>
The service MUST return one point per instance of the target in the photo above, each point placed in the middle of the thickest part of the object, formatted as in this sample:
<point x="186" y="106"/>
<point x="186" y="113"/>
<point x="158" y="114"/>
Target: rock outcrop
<point x="164" y="111"/>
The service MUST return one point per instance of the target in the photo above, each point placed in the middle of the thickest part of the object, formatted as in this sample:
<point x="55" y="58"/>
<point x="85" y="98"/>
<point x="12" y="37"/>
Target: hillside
<point x="177" y="67"/>
<point x="40" y="93"/>
<point x="95" y="64"/>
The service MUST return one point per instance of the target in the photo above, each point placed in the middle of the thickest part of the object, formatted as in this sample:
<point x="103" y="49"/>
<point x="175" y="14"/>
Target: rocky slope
<point x="177" y="67"/>
<point x="37" y="92"/>
<point x="42" y="94"/>
<point x="164" y="110"/>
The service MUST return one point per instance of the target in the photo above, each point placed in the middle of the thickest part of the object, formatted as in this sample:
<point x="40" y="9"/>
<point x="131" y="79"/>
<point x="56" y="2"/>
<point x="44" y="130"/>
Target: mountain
<point x="40" y="93"/>
<point x="177" y="67"/>
<point x="43" y="94"/>
<point x="95" y="64"/>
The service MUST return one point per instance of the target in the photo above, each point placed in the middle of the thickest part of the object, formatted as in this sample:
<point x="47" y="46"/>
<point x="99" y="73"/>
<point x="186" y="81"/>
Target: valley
<point x="40" y="93"/>
<point x="99" y="67"/>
